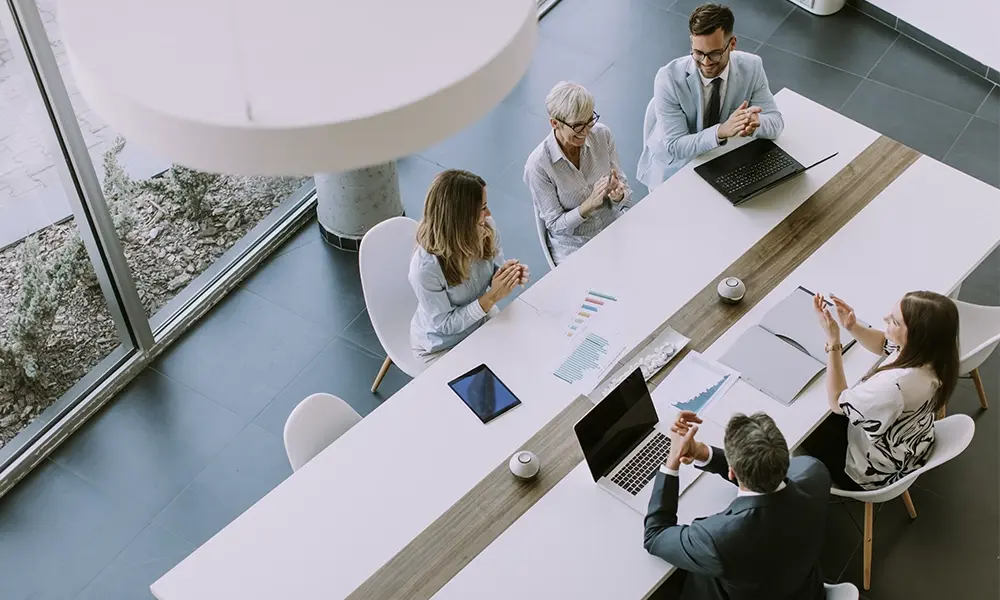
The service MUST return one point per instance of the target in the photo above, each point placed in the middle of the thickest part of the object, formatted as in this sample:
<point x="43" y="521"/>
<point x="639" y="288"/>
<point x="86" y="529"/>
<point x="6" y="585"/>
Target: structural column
<point x="352" y="202"/>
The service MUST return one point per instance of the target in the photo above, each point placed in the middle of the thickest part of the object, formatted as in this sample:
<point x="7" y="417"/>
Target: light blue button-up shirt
<point x="446" y="314"/>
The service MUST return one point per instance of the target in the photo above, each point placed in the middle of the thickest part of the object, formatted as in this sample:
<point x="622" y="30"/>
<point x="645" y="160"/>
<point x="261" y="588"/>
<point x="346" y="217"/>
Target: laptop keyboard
<point x="638" y="471"/>
<point x="770" y="163"/>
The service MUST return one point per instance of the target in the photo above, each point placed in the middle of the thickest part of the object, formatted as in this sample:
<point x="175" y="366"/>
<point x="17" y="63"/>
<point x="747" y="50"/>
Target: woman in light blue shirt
<point x="457" y="271"/>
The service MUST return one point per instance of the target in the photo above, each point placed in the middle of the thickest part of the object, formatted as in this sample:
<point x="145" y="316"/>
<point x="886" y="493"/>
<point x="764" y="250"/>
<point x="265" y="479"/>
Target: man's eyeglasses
<point x="714" y="56"/>
<point x="581" y="127"/>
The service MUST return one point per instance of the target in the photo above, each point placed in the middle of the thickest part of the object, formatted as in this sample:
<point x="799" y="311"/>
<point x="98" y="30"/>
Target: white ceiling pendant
<point x="286" y="87"/>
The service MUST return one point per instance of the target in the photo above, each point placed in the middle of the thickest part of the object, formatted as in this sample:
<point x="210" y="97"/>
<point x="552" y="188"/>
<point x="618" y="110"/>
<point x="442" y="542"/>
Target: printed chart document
<point x="694" y="383"/>
<point x="786" y="351"/>
<point x="593" y="341"/>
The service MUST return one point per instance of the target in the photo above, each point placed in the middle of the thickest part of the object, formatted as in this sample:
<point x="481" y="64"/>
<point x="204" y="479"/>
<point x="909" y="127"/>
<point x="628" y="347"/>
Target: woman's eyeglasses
<point x="581" y="127"/>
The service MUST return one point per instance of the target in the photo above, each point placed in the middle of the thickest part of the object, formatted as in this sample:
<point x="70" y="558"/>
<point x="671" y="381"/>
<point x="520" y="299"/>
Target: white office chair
<point x="543" y="239"/>
<point x="314" y="424"/>
<point x="384" y="260"/>
<point x="952" y="436"/>
<point x="978" y="336"/>
<point x="841" y="591"/>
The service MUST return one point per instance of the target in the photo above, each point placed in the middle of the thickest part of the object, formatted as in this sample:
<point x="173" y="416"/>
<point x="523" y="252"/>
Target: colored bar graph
<point x="604" y="296"/>
<point x="584" y="358"/>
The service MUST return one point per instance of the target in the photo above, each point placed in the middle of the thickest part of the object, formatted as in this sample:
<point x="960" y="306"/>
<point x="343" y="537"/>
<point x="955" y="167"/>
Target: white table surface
<point x="333" y="523"/>
<point x="579" y="542"/>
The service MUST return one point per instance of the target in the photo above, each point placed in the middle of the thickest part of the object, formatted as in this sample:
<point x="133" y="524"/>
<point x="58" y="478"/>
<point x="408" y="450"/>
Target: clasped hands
<point x="743" y="122"/>
<point x="609" y="186"/>
<point x="684" y="449"/>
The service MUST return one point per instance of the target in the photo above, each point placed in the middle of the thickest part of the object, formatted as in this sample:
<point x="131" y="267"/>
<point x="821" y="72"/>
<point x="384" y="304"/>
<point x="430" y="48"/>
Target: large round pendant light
<point x="285" y="87"/>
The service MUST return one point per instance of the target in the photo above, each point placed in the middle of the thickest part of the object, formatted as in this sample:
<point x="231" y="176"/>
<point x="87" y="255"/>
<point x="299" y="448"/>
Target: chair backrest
<point x="543" y="239"/>
<point x="952" y="435"/>
<point x="314" y="424"/>
<point x="841" y="591"/>
<point x="384" y="261"/>
<point x="978" y="335"/>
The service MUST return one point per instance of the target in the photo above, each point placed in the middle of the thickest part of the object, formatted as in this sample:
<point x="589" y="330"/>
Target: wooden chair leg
<point x="869" y="532"/>
<point x="909" y="504"/>
<point x="942" y="412"/>
<point x="979" y="388"/>
<point x="381" y="374"/>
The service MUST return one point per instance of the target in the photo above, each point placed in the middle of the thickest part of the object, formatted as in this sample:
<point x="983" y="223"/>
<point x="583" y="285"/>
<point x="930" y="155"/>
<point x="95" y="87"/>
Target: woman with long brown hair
<point x="882" y="429"/>
<point x="457" y="271"/>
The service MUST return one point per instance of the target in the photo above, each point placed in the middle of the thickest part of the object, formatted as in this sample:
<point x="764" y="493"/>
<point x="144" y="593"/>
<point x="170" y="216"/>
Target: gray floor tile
<point x="415" y="177"/>
<point x="505" y="136"/>
<point x="977" y="151"/>
<point x="873" y="11"/>
<point x="946" y="552"/>
<point x="307" y="234"/>
<point x="990" y="110"/>
<point x="755" y="19"/>
<point x="149" y="443"/>
<point x="847" y="40"/>
<point x="315" y="281"/>
<point x="554" y="61"/>
<point x="343" y="370"/>
<point x="921" y="124"/>
<point x="843" y="537"/>
<point x="361" y="333"/>
<point x="601" y="28"/>
<point x="915" y="68"/>
<point x="57" y="532"/>
<point x="982" y="286"/>
<point x="154" y="552"/>
<point x="816" y="81"/>
<point x="244" y="352"/>
<point x="942" y="48"/>
<point x="241" y="475"/>
<point x="993" y="75"/>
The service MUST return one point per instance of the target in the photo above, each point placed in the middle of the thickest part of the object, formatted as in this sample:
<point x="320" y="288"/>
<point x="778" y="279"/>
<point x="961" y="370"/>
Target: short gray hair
<point x="570" y="102"/>
<point x="756" y="451"/>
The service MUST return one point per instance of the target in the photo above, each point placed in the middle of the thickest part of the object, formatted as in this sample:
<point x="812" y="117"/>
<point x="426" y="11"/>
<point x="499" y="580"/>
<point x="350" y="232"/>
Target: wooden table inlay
<point x="451" y="542"/>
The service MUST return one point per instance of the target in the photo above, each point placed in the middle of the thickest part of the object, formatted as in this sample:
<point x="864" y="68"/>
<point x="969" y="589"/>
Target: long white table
<point x="332" y="524"/>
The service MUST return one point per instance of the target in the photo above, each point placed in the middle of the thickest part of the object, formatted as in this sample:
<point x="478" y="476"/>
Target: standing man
<point x="702" y="100"/>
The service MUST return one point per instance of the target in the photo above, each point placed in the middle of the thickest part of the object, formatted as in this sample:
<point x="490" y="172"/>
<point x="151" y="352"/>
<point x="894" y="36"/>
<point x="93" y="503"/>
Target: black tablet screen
<point x="484" y="393"/>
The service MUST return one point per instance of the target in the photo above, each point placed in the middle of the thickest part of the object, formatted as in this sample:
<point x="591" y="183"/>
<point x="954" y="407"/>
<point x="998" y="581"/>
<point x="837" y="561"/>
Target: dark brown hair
<point x="450" y="228"/>
<point x="931" y="322"/>
<point x="708" y="17"/>
<point x="756" y="451"/>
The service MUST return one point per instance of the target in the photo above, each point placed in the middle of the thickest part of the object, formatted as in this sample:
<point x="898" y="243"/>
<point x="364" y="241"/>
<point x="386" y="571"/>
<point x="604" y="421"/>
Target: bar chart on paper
<point x="695" y="382"/>
<point x="595" y="305"/>
<point x="589" y="356"/>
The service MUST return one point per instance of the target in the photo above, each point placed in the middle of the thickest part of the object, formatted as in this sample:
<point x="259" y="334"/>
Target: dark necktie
<point x="714" y="104"/>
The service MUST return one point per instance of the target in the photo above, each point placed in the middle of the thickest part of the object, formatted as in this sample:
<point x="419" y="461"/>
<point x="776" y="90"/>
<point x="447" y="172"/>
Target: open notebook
<point x="782" y="354"/>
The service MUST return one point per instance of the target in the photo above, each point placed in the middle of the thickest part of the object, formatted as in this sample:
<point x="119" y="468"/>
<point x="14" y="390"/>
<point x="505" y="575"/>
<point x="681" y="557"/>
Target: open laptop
<point x="751" y="169"/>
<point x="624" y="443"/>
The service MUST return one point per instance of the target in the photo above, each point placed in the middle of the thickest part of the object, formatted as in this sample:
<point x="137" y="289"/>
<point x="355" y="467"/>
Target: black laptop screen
<point x="616" y="425"/>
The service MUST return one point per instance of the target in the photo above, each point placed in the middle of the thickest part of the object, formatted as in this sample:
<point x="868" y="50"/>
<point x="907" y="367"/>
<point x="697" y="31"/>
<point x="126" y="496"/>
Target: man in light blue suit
<point x="702" y="100"/>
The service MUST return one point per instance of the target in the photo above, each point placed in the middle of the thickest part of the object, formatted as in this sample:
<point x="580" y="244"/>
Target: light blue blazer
<point x="672" y="133"/>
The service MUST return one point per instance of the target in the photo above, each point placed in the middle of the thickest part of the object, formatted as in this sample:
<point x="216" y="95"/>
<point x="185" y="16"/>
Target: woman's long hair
<point x="931" y="322"/>
<point x="450" y="229"/>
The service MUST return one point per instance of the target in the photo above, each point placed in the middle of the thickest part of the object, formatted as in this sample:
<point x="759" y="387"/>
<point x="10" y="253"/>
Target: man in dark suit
<point x="766" y="545"/>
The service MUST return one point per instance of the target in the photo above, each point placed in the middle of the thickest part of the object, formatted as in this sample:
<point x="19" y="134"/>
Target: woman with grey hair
<point x="574" y="175"/>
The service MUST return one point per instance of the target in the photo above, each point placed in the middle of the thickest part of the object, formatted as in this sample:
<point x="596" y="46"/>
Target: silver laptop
<point x="624" y="443"/>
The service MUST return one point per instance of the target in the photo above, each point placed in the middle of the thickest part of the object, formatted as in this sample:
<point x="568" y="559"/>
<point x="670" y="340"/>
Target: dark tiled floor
<point x="196" y="439"/>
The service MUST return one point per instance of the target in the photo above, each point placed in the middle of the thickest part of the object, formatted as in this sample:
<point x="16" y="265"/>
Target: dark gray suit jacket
<point x="761" y="547"/>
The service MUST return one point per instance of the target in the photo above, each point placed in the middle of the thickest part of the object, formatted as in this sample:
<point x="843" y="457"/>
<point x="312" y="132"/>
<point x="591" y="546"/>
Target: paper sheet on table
<point x="695" y="383"/>
<point x="593" y="341"/>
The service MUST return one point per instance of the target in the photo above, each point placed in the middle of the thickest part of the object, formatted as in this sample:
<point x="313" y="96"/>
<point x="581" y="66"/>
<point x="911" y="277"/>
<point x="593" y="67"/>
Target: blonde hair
<point x="450" y="229"/>
<point x="570" y="102"/>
